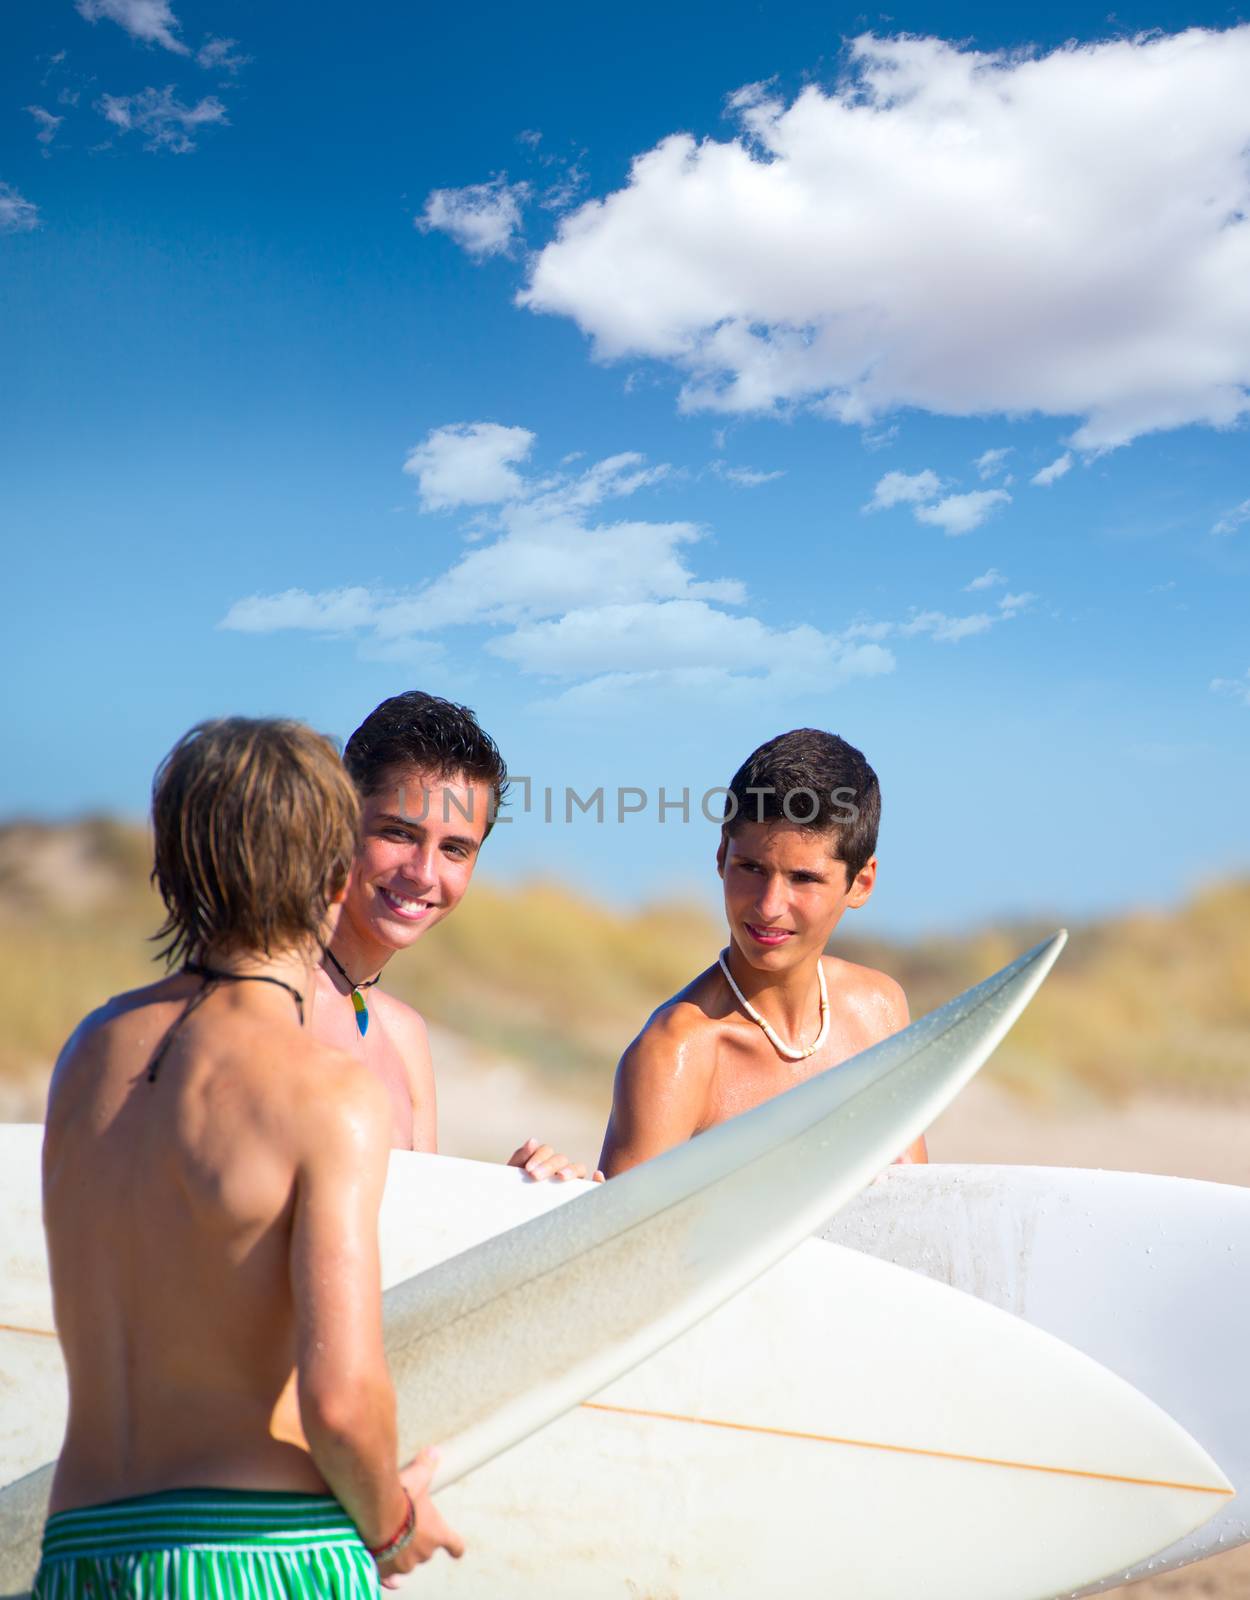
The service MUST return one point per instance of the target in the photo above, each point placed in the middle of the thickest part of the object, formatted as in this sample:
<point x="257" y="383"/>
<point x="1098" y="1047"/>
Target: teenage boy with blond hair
<point x="212" y="1176"/>
<point x="797" y="850"/>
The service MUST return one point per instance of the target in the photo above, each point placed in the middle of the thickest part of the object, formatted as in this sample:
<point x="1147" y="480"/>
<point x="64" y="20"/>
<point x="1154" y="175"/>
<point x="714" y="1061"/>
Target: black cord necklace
<point x="212" y="977"/>
<point x="359" y="1005"/>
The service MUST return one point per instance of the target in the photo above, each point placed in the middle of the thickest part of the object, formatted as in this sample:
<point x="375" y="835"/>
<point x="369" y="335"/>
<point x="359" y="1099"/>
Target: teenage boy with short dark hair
<point x="431" y="782"/>
<point x="797" y="850"/>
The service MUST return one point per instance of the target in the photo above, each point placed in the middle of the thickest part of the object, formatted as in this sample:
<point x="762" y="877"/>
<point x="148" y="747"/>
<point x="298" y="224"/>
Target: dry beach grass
<point x="1149" y="1001"/>
<point x="1136" y="1054"/>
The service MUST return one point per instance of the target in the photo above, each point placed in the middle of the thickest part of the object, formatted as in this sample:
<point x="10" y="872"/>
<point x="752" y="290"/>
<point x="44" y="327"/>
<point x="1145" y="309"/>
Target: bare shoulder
<point x="874" y="996"/>
<point x="123" y="1024"/>
<point x="339" y="1111"/>
<point x="677" y="1041"/>
<point x="116" y="1012"/>
<point x="405" y="1025"/>
<point x="663" y="1080"/>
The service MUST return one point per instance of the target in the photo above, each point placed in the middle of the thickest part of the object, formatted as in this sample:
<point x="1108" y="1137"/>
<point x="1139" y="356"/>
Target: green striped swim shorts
<point x="206" y="1544"/>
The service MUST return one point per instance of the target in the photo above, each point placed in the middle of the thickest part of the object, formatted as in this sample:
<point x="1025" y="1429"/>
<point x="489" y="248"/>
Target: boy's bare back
<point x="179" y="1215"/>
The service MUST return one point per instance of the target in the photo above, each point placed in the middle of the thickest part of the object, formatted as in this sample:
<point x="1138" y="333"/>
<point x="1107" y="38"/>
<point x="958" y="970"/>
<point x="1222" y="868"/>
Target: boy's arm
<point x="411" y="1038"/>
<point x="659" y="1098"/>
<point x="346" y="1400"/>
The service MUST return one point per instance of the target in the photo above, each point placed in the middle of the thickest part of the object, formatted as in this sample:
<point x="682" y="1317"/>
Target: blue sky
<point x="653" y="383"/>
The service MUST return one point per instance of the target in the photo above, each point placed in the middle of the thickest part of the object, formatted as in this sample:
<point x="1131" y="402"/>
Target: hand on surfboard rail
<point x="540" y="1161"/>
<point x="432" y="1532"/>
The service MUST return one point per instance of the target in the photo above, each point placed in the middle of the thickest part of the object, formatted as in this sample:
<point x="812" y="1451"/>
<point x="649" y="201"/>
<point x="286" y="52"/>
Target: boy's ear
<point x="865" y="882"/>
<point x="721" y="848"/>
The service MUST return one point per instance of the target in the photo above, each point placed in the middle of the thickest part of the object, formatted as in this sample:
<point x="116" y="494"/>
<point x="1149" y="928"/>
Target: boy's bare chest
<point x="749" y="1070"/>
<point x="334" y="1023"/>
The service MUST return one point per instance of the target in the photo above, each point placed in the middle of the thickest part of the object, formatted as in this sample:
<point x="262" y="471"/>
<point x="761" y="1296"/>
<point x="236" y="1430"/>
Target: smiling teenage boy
<point x="430" y="782"/>
<point x="797" y="850"/>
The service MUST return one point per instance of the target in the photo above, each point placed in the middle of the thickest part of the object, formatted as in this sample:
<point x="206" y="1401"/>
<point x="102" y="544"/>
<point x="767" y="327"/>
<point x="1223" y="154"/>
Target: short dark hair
<point x="422" y="730"/>
<point x="255" y="827"/>
<point x="812" y="780"/>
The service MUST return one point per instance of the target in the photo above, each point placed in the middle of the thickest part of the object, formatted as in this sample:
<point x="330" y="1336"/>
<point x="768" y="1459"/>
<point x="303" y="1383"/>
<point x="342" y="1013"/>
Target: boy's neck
<point x="787" y="998"/>
<point x="293" y="969"/>
<point x="359" y="956"/>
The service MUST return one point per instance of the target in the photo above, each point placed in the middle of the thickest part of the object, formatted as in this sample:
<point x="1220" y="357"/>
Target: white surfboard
<point x="1148" y="1275"/>
<point x="486" y="1347"/>
<point x="833" y="1401"/>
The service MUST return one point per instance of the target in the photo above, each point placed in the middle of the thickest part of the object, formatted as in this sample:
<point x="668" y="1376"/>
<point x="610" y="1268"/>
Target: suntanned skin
<point x="212" y="1241"/>
<point x="700" y="1059"/>
<point x="419" y="843"/>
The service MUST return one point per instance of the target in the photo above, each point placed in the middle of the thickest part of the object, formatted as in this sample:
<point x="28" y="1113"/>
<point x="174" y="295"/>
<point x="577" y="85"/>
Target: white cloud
<point x="546" y="558"/>
<point x="1053" y="472"/>
<point x="991" y="462"/>
<point x="17" y="214"/>
<point x="48" y="124"/>
<point x="953" y="513"/>
<point x="1238" y="688"/>
<point x="961" y="513"/>
<point x="151" y="21"/>
<point x="674" y="635"/>
<point x="944" y="629"/>
<point x="1232" y="520"/>
<point x="872" y="247"/>
<point x="221" y="55"/>
<point x="482" y="218"/>
<point x="543" y="565"/>
<point x="164" y="121"/>
<point x="987" y="580"/>
<point x="609" y="479"/>
<point x="331" y="611"/>
<point x="565" y="191"/>
<point x="469" y="464"/>
<point x="620" y="693"/>
<point x="744" y="477"/>
<point x="570" y="597"/>
<point x="939" y="626"/>
<point x="904" y="488"/>
<point x="610" y="609"/>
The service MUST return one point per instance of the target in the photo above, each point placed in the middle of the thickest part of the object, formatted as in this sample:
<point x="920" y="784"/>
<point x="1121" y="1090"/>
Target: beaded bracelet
<point x="401" y="1540"/>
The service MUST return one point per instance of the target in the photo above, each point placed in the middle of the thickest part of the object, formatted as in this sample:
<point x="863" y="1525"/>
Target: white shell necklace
<point x="770" y="1033"/>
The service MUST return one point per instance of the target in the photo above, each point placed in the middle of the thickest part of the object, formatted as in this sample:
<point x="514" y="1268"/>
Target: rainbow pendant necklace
<point x="359" y="1005"/>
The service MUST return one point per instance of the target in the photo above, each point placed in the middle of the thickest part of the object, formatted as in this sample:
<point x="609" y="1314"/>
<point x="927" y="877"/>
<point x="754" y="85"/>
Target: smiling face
<point x="419" y="843"/>
<point x="785" y="891"/>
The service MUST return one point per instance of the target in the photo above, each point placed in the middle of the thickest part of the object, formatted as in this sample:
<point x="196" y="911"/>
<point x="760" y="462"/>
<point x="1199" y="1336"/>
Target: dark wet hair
<point x="255" y="826"/>
<point x="422" y="730"/>
<point x="813" y="780"/>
